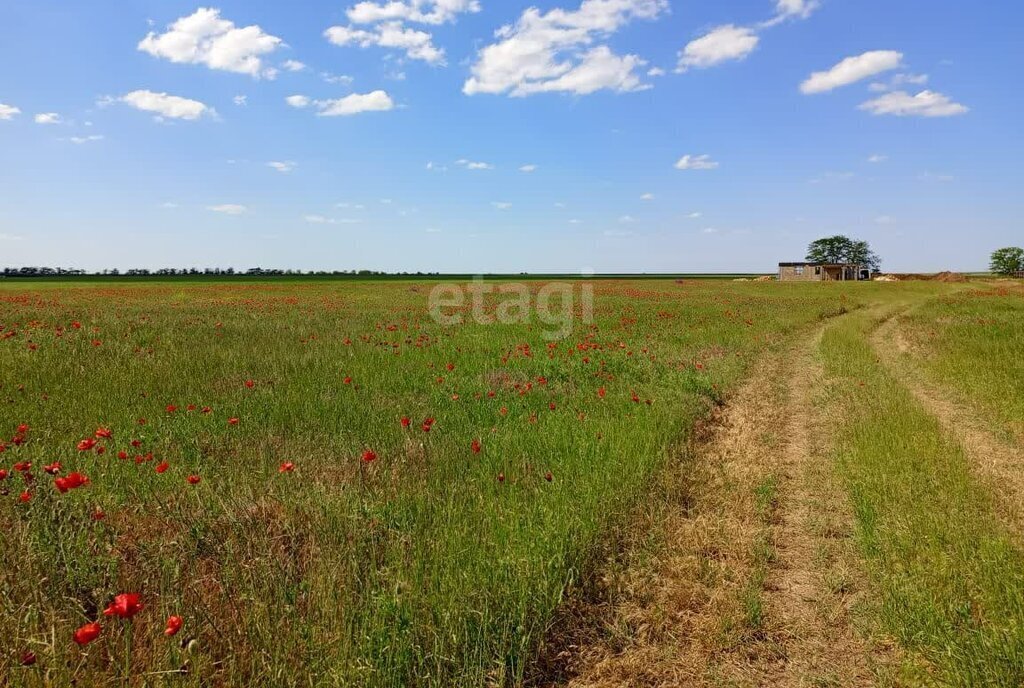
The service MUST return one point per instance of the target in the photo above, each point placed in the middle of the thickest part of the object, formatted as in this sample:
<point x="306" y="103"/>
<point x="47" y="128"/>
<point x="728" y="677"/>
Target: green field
<point x="324" y="541"/>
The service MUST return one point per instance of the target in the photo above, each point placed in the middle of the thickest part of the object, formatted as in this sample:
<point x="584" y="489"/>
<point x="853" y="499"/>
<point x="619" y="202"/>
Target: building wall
<point x="790" y="274"/>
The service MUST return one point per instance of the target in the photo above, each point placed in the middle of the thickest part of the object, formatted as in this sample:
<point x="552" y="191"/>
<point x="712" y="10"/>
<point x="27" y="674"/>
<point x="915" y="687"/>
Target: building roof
<point x="823" y="265"/>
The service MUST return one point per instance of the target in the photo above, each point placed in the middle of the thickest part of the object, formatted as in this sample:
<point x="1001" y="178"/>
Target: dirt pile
<point x="949" y="277"/>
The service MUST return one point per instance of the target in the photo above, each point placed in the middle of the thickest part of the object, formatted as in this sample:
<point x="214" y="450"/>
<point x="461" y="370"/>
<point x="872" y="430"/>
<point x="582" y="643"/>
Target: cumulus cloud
<point x="528" y="168"/>
<point x="474" y="165"/>
<point x="293" y="66"/>
<point x="554" y="51"/>
<point x="283" y="167"/>
<point x="796" y="8"/>
<point x="877" y="157"/>
<point x="375" y="101"/>
<point x="48" y="118"/>
<point x="851" y="70"/>
<point x="8" y="111"/>
<point x="723" y="44"/>
<point x="647" y="197"/>
<point x="204" y="38"/>
<point x="418" y="11"/>
<point x="240" y="100"/>
<point x="298" y="101"/>
<point x="79" y="140"/>
<point x="418" y="45"/>
<point x="696" y="162"/>
<point x="924" y="104"/>
<point x="164" y="105"/>
<point x="228" y="209"/>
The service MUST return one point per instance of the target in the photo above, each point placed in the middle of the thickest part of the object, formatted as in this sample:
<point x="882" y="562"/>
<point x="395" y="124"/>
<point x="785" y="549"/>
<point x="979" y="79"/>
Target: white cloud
<point x="912" y="79"/>
<point x="574" y="221"/>
<point x="375" y="101"/>
<point x="79" y="140"/>
<point x="166" y="105"/>
<point x="528" y="168"/>
<point x="710" y="230"/>
<point x="647" y="197"/>
<point x="694" y="215"/>
<point x="550" y="51"/>
<point x="293" y="66"/>
<point x="8" y="111"/>
<point x="228" y="208"/>
<point x="877" y="157"/>
<point x="502" y="205"/>
<point x="722" y="44"/>
<point x="241" y="100"/>
<point x="418" y="45"/>
<point x="282" y="166"/>
<point x="343" y="79"/>
<point x="696" y="162"/>
<point x="323" y="220"/>
<point x="297" y="101"/>
<point x="418" y="11"/>
<point x="474" y="165"/>
<point x="924" y="104"/>
<point x="796" y="8"/>
<point x="655" y="71"/>
<point x="205" y="38"/>
<point x="851" y="70"/>
<point x="48" y="118"/>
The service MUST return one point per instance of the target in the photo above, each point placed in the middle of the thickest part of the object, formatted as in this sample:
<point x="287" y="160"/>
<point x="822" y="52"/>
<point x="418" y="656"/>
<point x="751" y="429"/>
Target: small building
<point x="823" y="272"/>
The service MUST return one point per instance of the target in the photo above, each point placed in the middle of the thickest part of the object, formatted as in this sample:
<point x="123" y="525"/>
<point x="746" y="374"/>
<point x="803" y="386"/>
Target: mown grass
<point x="950" y="580"/>
<point x="973" y="343"/>
<point x="432" y="565"/>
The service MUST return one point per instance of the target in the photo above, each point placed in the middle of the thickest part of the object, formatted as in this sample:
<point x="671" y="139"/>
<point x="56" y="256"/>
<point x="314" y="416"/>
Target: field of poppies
<point x="316" y="483"/>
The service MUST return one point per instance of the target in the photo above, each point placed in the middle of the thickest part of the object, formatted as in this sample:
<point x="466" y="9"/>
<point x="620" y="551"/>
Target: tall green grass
<point x="421" y="568"/>
<point x="950" y="579"/>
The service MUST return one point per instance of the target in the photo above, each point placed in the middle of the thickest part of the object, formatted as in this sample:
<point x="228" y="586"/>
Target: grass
<point x="973" y="343"/>
<point x="432" y="565"/>
<point x="949" y="579"/>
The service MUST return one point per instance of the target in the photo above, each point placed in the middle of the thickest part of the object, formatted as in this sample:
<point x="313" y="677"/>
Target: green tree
<point x="842" y="249"/>
<point x="1007" y="261"/>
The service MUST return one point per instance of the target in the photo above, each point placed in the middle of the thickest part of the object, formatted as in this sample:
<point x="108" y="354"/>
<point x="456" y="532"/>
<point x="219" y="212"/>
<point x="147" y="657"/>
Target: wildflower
<point x="232" y="421"/>
<point x="406" y="422"/>
<point x="3" y="474"/>
<point x="369" y="456"/>
<point x="71" y="482"/>
<point x="174" y="624"/>
<point x="24" y="497"/>
<point x="136" y="443"/>
<point x="475" y="446"/>
<point x="193" y="479"/>
<point x="601" y="392"/>
<point x="103" y="433"/>
<point x="53" y="468"/>
<point x="162" y="467"/>
<point x="287" y="467"/>
<point x="86" y="444"/>
<point x="28" y="658"/>
<point x="87" y="633"/>
<point x="171" y="408"/>
<point x="122" y="455"/>
<point x="501" y="477"/>
<point x="548" y="476"/>
<point x="250" y="383"/>
<point x="125" y="606"/>
<point x="98" y="514"/>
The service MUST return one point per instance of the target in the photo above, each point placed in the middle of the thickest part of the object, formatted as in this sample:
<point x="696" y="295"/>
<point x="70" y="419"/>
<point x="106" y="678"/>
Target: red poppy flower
<point x="23" y="466"/>
<point x="162" y="467"/>
<point x="125" y="606"/>
<point x="406" y="422"/>
<point x="3" y="474"/>
<point x="174" y="624"/>
<point x="193" y="479"/>
<point x="548" y="476"/>
<point x="103" y="433"/>
<point x="190" y="407"/>
<point x="22" y="429"/>
<point x="287" y="467"/>
<point x="171" y="408"/>
<point x="53" y="468"/>
<point x="369" y="456"/>
<point x="601" y="393"/>
<point x="347" y="380"/>
<point x="71" y="482"/>
<point x="501" y="477"/>
<point x="475" y="446"/>
<point x="86" y="444"/>
<point x="28" y="658"/>
<point x="98" y="514"/>
<point x="101" y="450"/>
<point x="232" y="421"/>
<point x="206" y="409"/>
<point x="77" y="325"/>
<point x="551" y="406"/>
<point x="24" y="497"/>
<point x="250" y="384"/>
<point x="87" y="633"/>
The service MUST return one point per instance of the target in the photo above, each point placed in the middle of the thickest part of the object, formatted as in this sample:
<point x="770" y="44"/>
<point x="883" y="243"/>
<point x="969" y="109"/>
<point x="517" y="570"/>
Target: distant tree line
<point x="189" y="272"/>
<point x="1008" y="261"/>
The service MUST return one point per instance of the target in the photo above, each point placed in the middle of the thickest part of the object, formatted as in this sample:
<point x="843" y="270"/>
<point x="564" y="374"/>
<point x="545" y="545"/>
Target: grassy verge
<point x="950" y="581"/>
<point x="973" y="342"/>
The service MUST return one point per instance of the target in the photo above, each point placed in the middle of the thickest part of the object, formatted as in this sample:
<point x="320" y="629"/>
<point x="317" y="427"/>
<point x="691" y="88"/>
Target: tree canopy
<point x="1007" y="261"/>
<point x="842" y="249"/>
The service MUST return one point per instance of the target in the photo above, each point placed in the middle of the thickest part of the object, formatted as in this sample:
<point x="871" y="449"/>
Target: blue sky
<point x="607" y="135"/>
